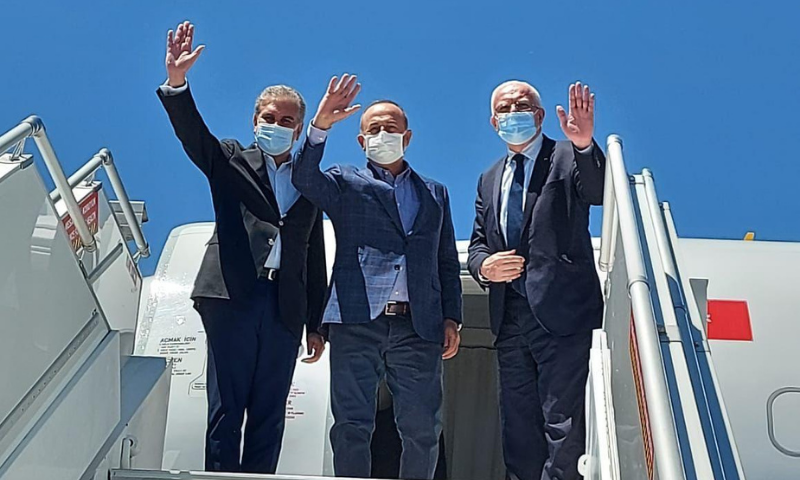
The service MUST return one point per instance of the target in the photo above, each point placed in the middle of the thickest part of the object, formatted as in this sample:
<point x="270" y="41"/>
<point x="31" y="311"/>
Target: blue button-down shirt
<point x="280" y="177"/>
<point x="405" y="196"/>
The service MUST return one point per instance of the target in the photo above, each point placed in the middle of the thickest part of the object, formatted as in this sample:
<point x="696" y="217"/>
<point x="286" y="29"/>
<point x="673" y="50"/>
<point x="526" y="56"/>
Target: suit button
<point x="271" y="242"/>
<point x="398" y="267"/>
<point x="280" y="223"/>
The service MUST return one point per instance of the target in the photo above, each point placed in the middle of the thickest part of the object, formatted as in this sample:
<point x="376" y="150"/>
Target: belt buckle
<point x="386" y="311"/>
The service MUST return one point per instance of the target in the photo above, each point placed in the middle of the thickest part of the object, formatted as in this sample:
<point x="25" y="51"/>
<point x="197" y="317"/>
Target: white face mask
<point x="384" y="148"/>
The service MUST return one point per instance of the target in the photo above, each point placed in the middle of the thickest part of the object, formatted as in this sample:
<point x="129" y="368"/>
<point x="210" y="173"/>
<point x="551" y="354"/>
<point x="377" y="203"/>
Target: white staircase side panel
<point x="688" y="419"/>
<point x="145" y="385"/>
<point x="72" y="430"/>
<point x="634" y="438"/>
<point x="50" y="318"/>
<point x="601" y="461"/>
<point x="112" y="272"/>
<point x="146" y="415"/>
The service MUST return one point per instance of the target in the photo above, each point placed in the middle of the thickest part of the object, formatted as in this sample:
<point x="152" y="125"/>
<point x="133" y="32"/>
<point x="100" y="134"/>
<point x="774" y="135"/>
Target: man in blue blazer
<point x="531" y="248"/>
<point x="394" y="302"/>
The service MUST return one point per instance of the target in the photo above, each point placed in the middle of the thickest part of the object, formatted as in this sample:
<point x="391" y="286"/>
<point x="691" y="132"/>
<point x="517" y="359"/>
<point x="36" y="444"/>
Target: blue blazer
<point x="370" y="240"/>
<point x="560" y="278"/>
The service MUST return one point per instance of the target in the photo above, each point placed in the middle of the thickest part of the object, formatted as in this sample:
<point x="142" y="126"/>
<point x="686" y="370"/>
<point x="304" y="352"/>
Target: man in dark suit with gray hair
<point x="394" y="304"/>
<point x="531" y="248"/>
<point x="262" y="279"/>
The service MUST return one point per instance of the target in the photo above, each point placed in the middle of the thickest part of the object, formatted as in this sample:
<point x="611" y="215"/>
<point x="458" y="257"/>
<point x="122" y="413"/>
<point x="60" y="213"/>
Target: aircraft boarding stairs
<point x="654" y="406"/>
<point x="76" y="404"/>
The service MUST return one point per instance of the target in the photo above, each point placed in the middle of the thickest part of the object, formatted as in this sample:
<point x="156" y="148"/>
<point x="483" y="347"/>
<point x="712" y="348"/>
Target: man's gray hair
<point x="282" y="91"/>
<point x="537" y="98"/>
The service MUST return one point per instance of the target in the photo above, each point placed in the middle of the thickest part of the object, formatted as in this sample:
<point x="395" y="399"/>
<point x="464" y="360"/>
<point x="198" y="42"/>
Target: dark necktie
<point x="514" y="206"/>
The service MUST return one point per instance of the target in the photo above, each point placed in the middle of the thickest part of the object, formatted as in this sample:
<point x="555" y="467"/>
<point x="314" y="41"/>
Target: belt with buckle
<point x="270" y="274"/>
<point x="396" y="308"/>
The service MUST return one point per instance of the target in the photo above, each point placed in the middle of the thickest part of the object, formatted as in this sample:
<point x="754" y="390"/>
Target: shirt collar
<point x="270" y="161"/>
<point x="385" y="175"/>
<point x="531" y="151"/>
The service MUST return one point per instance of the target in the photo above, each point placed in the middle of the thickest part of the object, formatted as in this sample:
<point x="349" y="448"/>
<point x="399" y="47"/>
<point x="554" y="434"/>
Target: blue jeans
<point x="361" y="354"/>
<point x="542" y="395"/>
<point x="251" y="360"/>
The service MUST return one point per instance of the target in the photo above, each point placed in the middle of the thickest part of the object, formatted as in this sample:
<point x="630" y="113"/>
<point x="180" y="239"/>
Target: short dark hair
<point x="390" y="102"/>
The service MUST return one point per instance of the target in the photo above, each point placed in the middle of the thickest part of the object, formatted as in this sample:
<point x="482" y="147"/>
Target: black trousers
<point x="251" y="360"/>
<point x="542" y="395"/>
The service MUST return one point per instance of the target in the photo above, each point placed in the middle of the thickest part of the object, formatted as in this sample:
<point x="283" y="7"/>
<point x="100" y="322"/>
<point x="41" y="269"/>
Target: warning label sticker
<point x="176" y="349"/>
<point x="295" y="397"/>
<point x="89" y="209"/>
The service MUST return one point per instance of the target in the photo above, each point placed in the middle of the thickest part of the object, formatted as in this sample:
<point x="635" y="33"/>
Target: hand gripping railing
<point x="33" y="127"/>
<point x="104" y="159"/>
<point x="619" y="216"/>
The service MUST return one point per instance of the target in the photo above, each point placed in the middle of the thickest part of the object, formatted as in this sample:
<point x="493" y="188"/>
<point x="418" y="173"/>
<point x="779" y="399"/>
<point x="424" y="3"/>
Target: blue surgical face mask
<point x="274" y="139"/>
<point x="516" y="128"/>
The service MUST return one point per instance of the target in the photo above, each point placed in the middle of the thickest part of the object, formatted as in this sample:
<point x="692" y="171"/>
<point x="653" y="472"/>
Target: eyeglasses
<point x="520" y="106"/>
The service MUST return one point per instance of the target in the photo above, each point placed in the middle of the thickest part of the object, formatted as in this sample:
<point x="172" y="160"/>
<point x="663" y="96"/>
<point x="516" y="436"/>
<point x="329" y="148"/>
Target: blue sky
<point x="704" y="93"/>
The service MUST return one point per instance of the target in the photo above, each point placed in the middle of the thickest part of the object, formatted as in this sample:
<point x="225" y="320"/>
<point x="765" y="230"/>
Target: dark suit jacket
<point x="247" y="223"/>
<point x="370" y="240"/>
<point x="560" y="278"/>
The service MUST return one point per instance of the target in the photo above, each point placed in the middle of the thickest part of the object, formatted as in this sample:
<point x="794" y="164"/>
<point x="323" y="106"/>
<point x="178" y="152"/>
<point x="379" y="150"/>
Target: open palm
<point x="180" y="55"/>
<point x="578" y="124"/>
<point x="336" y="104"/>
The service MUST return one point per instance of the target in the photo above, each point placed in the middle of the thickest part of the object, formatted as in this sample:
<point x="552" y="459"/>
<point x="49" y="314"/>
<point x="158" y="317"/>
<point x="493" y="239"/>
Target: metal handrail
<point x="704" y="384"/>
<point x="665" y="440"/>
<point x="703" y="348"/>
<point x="33" y="127"/>
<point x="610" y="221"/>
<point x="105" y="159"/>
<point x="85" y="173"/>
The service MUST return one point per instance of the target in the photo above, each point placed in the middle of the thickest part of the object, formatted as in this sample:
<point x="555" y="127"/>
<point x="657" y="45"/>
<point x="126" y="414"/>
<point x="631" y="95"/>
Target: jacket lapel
<point x="255" y="159"/>
<point x="495" y="178"/>
<point x="427" y="203"/>
<point x="385" y="195"/>
<point x="540" y="170"/>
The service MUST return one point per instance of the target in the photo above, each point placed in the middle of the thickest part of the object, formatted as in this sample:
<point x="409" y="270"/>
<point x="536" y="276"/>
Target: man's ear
<point x="362" y="141"/>
<point x="407" y="138"/>
<point x="493" y="122"/>
<point x="255" y="121"/>
<point x="298" y="131"/>
<point x="540" y="117"/>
